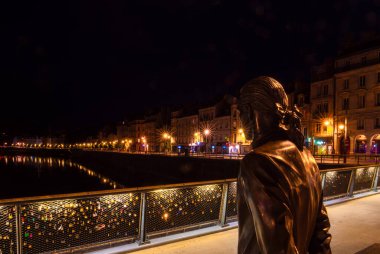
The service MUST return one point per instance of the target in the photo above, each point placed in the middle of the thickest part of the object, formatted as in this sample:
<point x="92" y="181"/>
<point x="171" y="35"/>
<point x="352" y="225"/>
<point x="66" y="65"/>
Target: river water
<point x="22" y="176"/>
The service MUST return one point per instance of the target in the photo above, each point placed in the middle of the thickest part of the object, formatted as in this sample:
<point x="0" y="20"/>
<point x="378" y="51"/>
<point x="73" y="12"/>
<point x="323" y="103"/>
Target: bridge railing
<point x="348" y="158"/>
<point x="65" y="223"/>
<point x="346" y="182"/>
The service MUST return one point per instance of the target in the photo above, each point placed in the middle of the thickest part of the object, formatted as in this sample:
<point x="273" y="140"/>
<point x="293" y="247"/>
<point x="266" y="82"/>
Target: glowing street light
<point x="167" y="141"/>
<point x="206" y="132"/>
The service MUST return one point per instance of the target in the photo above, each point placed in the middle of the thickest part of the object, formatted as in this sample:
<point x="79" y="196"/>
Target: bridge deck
<point x="355" y="225"/>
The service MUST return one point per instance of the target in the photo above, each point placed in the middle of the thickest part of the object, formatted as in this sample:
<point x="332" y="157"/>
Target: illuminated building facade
<point x="357" y="78"/>
<point x="345" y="104"/>
<point x="321" y="116"/>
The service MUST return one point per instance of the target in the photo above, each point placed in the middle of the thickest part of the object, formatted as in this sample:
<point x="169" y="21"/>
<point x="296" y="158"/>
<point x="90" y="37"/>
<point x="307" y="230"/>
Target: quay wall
<point x="145" y="170"/>
<point x="136" y="170"/>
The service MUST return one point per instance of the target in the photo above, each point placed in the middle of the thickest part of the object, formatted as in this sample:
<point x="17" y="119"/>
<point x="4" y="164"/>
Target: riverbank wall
<point x="136" y="170"/>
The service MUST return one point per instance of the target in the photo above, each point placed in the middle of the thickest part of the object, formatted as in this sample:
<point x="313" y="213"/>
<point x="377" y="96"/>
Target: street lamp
<point x="206" y="132"/>
<point x="167" y="139"/>
<point x="344" y="127"/>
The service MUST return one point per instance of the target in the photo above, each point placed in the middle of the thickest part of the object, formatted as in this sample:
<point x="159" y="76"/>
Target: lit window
<point x="301" y="101"/>
<point x="377" y="99"/>
<point x="325" y="89"/>
<point x="361" y="101"/>
<point x="362" y="81"/>
<point x="346" y="104"/>
<point x="360" y="124"/>
<point x="346" y="84"/>
<point x="319" y="91"/>
<point x="325" y="107"/>
<point x="364" y="60"/>
<point x="318" y="128"/>
<point x="377" y="123"/>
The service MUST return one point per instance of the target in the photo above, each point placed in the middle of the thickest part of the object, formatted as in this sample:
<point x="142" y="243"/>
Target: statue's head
<point x="264" y="108"/>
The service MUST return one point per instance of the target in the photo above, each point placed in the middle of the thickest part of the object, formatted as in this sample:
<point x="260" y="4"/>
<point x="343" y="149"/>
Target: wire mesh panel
<point x="8" y="229"/>
<point x="364" y="179"/>
<point x="61" y="224"/>
<point x="174" y="208"/>
<point x="336" y="183"/>
<point x="231" y="211"/>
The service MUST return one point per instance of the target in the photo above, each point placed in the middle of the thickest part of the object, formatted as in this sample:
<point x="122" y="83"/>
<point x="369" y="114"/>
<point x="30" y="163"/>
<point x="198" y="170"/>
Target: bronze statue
<point x="280" y="207"/>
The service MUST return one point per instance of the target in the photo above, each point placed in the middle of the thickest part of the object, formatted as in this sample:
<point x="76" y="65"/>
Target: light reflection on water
<point x="27" y="172"/>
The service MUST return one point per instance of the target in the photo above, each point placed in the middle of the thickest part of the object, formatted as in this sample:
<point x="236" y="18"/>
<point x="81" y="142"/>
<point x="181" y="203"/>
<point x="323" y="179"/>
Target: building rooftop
<point x="359" y="48"/>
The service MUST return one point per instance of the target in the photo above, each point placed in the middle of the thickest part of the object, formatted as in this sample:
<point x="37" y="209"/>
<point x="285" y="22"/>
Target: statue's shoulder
<point x="262" y="161"/>
<point x="284" y="150"/>
<point x="274" y="148"/>
<point x="269" y="150"/>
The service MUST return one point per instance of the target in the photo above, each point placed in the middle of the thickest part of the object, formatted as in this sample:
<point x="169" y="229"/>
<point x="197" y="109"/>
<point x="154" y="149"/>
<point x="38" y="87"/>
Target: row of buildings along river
<point x="341" y="107"/>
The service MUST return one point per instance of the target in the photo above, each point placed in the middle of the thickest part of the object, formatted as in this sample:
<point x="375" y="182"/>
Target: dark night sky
<point x="78" y="65"/>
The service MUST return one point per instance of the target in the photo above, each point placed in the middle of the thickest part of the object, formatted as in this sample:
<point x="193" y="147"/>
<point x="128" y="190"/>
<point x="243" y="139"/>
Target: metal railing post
<point x="18" y="229"/>
<point x="323" y="180"/>
<point x="142" y="227"/>
<point x="352" y="183"/>
<point x="223" y="206"/>
<point x="376" y="179"/>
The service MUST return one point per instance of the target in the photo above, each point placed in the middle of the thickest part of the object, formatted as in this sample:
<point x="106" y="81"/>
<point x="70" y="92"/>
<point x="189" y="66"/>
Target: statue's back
<point x="280" y="189"/>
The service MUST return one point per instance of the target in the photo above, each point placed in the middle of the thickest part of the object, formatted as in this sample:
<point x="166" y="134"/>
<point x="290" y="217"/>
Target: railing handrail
<point x="80" y="195"/>
<point x="350" y="154"/>
<point x="348" y="168"/>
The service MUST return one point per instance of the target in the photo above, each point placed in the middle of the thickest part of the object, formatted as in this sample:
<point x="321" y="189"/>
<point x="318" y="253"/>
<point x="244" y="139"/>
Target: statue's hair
<point x="267" y="95"/>
<point x="262" y="94"/>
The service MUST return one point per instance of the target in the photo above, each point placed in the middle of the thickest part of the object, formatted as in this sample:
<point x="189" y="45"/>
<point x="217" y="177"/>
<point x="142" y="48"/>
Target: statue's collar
<point x="278" y="134"/>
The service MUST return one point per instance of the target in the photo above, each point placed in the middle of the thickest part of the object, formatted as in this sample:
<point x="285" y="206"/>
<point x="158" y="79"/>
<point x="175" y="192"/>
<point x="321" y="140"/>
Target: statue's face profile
<point x="258" y="106"/>
<point x="264" y="110"/>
